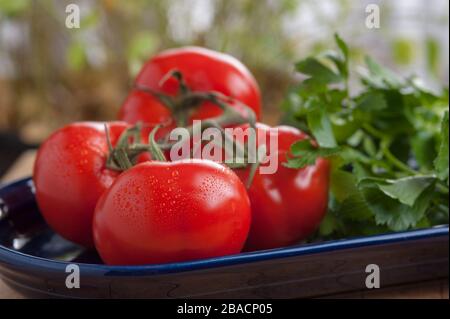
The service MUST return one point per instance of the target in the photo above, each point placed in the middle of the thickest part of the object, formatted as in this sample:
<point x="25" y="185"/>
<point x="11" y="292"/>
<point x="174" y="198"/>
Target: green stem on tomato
<point x="182" y="105"/>
<point x="122" y="156"/>
<point x="154" y="148"/>
<point x="254" y="168"/>
<point x="187" y="100"/>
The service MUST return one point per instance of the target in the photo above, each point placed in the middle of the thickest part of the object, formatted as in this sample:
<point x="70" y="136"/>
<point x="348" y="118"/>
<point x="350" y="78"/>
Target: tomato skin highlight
<point x="203" y="70"/>
<point x="70" y="175"/>
<point x="289" y="205"/>
<point x="160" y="212"/>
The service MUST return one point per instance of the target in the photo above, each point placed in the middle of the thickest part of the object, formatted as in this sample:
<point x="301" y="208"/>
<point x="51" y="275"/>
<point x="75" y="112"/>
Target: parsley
<point x="388" y="145"/>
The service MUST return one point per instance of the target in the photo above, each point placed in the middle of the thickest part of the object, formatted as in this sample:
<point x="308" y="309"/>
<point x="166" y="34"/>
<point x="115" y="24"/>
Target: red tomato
<point x="203" y="70"/>
<point x="287" y="206"/>
<point x="70" y="175"/>
<point x="159" y="212"/>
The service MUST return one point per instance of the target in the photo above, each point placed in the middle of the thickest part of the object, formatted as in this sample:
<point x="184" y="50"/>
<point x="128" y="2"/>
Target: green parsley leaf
<point x="388" y="145"/>
<point x="318" y="72"/>
<point x="424" y="149"/>
<point x="356" y="208"/>
<point x="320" y="126"/>
<point x="394" y="214"/>
<point x="406" y="190"/>
<point x="306" y="154"/>
<point x="380" y="77"/>
<point x="343" y="184"/>
<point x="441" y="163"/>
<point x="371" y="101"/>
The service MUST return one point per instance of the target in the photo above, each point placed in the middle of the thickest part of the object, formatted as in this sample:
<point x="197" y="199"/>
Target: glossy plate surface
<point x="33" y="260"/>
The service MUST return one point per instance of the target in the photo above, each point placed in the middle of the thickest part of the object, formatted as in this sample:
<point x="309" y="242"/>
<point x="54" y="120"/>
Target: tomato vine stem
<point x="186" y="100"/>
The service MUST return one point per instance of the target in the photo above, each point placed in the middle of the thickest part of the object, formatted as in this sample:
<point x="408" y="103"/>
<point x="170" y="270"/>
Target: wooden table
<point x="436" y="289"/>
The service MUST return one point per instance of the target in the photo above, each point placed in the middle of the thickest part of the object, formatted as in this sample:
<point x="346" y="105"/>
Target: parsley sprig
<point x="388" y="144"/>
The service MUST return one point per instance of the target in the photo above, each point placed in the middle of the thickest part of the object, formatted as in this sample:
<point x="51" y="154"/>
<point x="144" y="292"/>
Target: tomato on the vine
<point x="288" y="205"/>
<point x="203" y="70"/>
<point x="158" y="212"/>
<point x="70" y="174"/>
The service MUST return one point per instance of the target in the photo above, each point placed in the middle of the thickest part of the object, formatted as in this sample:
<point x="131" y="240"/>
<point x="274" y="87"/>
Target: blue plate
<point x="37" y="262"/>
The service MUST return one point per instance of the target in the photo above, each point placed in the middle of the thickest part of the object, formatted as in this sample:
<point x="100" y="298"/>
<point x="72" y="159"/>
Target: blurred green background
<point x="51" y="75"/>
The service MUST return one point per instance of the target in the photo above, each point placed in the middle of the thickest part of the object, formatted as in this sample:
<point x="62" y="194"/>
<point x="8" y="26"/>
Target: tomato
<point x="159" y="212"/>
<point x="70" y="175"/>
<point x="287" y="206"/>
<point x="203" y="70"/>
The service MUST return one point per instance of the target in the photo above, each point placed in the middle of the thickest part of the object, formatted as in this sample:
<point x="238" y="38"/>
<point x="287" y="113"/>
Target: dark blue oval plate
<point x="37" y="262"/>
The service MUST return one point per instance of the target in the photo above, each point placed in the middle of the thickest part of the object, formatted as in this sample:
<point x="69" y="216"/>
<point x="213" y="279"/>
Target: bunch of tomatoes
<point x="109" y="186"/>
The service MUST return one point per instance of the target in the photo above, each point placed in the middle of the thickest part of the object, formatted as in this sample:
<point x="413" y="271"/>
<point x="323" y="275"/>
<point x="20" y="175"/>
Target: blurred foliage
<point x="433" y="55"/>
<point x="51" y="75"/>
<point x="403" y="51"/>
<point x="13" y="8"/>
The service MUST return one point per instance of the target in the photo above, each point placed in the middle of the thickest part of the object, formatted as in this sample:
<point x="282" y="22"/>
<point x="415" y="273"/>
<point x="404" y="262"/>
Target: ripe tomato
<point x="70" y="175"/>
<point x="287" y="206"/>
<point x="203" y="70"/>
<point x="160" y="212"/>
